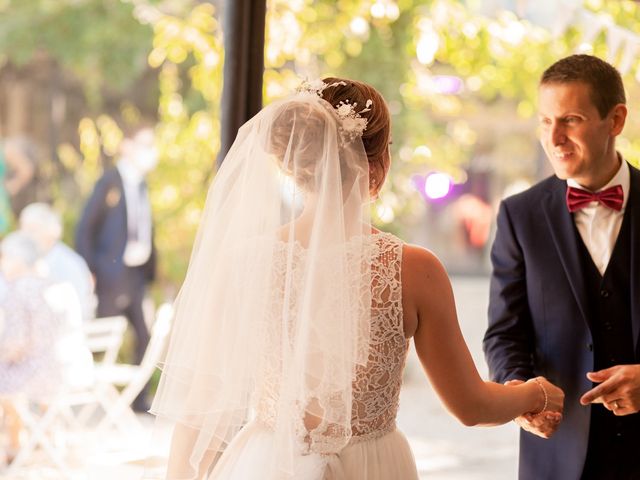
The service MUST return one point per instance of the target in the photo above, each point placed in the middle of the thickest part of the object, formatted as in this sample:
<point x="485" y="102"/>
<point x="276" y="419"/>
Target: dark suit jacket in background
<point x="101" y="238"/>
<point x="539" y="319"/>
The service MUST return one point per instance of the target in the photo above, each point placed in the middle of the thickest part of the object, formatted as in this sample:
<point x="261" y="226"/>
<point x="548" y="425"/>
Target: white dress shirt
<point x="599" y="225"/>
<point x="138" y="249"/>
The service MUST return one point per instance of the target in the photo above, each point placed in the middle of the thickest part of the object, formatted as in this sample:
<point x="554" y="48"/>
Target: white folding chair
<point x="53" y="427"/>
<point x="131" y="379"/>
<point x="104" y="336"/>
<point x="39" y="427"/>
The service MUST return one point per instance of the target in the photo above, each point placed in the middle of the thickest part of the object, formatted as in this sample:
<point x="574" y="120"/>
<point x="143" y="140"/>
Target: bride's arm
<point x="429" y="305"/>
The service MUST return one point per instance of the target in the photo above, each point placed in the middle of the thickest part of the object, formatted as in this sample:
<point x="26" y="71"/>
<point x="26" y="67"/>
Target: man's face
<point x="141" y="150"/>
<point x="577" y="141"/>
<point x="146" y="156"/>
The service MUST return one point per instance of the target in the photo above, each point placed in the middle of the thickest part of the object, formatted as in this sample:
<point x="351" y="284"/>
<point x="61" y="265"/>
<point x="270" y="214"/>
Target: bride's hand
<point x="543" y="424"/>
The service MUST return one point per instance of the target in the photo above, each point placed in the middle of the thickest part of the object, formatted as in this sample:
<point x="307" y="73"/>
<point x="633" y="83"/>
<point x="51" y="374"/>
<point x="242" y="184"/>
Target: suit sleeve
<point x="90" y="222"/>
<point x="508" y="342"/>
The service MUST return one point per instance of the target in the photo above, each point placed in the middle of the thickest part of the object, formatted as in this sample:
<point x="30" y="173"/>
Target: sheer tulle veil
<point x="273" y="316"/>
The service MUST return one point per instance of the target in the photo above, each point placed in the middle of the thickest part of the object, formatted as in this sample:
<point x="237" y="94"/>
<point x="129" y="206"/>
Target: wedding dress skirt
<point x="383" y="457"/>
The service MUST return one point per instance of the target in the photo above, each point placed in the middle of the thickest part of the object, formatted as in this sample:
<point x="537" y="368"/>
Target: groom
<point x="565" y="288"/>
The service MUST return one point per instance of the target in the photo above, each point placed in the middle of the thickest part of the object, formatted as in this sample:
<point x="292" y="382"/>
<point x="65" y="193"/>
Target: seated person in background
<point x="28" y="329"/>
<point x="61" y="264"/>
<point x="3" y="286"/>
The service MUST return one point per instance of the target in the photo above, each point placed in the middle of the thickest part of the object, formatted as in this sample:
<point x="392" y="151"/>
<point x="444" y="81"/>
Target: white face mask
<point x="146" y="159"/>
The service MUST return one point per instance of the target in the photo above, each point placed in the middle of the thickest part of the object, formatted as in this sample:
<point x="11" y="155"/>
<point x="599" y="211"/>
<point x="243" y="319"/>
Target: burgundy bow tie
<point x="611" y="197"/>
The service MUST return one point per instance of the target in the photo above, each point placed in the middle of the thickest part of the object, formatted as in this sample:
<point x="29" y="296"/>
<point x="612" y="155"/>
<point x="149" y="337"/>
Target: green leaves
<point x="98" y="40"/>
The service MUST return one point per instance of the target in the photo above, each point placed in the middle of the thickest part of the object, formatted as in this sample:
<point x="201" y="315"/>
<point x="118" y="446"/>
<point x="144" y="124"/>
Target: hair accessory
<point x="352" y="124"/>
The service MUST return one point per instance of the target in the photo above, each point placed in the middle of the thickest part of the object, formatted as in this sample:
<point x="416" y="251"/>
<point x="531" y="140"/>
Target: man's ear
<point x="618" y="117"/>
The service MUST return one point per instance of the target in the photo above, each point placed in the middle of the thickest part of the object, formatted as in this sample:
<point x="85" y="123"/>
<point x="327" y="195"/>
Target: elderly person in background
<point x="28" y="329"/>
<point x="60" y="263"/>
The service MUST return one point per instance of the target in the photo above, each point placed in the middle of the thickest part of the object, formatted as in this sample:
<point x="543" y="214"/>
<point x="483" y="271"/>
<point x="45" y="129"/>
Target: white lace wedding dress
<point x="376" y="450"/>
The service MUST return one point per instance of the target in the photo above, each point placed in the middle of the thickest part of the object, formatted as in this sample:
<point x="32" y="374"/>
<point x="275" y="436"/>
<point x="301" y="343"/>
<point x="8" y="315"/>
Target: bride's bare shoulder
<point x="420" y="261"/>
<point x="424" y="284"/>
<point x="424" y="277"/>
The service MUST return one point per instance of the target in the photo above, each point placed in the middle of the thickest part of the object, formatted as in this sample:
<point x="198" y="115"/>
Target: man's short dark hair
<point x="604" y="81"/>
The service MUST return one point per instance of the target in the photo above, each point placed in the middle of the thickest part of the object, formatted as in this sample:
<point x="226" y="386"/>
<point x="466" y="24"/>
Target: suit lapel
<point x="634" y="205"/>
<point x="562" y="228"/>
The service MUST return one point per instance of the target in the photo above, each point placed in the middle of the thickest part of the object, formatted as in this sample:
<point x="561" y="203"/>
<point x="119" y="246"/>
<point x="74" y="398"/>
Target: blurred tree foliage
<point x="86" y="37"/>
<point x="406" y="48"/>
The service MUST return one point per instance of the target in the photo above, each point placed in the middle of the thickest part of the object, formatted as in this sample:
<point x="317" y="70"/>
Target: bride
<point x="293" y="324"/>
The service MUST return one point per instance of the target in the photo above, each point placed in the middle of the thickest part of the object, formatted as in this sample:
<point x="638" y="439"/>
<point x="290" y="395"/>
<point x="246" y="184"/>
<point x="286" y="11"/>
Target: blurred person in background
<point x="19" y="156"/>
<point x="6" y="215"/>
<point x="17" y="171"/>
<point x="59" y="262"/>
<point x="29" y="329"/>
<point x="115" y="237"/>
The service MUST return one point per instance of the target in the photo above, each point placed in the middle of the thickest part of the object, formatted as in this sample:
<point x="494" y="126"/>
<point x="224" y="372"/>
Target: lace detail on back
<point x="377" y="385"/>
<point x="376" y="388"/>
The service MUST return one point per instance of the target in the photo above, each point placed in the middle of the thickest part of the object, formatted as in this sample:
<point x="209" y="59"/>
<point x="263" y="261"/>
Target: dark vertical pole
<point x="244" y="29"/>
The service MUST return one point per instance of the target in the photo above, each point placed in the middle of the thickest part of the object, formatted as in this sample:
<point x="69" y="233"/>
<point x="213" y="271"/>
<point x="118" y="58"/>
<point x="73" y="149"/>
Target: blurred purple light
<point x="437" y="185"/>
<point x="447" y="84"/>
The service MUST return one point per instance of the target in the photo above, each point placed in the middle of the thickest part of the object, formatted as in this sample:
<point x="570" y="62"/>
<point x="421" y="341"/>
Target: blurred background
<point x="460" y="77"/>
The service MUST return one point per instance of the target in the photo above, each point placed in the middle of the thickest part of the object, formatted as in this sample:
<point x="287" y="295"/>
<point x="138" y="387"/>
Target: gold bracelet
<point x="546" y="397"/>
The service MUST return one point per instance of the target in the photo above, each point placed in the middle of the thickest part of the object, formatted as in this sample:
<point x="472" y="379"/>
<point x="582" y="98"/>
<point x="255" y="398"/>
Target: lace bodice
<point x="377" y="384"/>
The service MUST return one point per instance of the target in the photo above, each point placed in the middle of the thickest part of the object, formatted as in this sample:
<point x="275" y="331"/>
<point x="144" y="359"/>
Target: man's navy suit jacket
<point x="539" y="318"/>
<point x="101" y="238"/>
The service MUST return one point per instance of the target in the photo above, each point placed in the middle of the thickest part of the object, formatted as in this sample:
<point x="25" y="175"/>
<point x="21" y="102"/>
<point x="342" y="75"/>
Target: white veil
<point x="273" y="317"/>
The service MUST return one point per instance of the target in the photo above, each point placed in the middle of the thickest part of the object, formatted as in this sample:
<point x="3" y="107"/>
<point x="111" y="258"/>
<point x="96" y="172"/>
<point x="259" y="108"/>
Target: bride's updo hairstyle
<point x="300" y="127"/>
<point x="376" y="136"/>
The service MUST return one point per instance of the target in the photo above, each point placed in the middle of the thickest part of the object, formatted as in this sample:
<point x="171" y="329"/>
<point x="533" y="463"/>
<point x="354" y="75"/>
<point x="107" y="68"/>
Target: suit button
<point x="604" y="293"/>
<point x="612" y="360"/>
<point x="608" y="325"/>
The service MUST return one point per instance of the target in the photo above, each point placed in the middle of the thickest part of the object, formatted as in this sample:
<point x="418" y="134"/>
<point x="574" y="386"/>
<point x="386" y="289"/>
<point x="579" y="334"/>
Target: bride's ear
<point x="378" y="170"/>
<point x="376" y="178"/>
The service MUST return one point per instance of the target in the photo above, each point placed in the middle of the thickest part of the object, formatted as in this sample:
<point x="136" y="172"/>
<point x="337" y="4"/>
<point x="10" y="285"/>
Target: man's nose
<point x="558" y="135"/>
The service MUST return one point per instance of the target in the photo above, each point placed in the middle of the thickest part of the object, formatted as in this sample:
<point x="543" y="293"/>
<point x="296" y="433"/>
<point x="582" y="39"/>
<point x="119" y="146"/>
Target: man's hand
<point x="619" y="389"/>
<point x="543" y="425"/>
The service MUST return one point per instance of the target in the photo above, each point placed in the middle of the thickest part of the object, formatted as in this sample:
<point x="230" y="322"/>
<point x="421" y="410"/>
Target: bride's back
<point x="377" y="383"/>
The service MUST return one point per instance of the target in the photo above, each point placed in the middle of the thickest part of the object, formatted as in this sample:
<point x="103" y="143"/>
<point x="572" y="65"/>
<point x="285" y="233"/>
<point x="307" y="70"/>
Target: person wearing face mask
<point x="115" y="237"/>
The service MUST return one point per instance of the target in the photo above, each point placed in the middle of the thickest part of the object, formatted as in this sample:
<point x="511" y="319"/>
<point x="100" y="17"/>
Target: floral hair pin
<point x="352" y="124"/>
